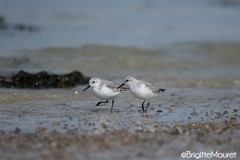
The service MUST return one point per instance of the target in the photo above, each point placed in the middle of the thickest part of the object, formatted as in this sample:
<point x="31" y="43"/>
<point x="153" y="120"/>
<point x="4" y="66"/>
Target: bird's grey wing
<point x="111" y="85"/>
<point x="150" y="86"/>
<point x="114" y="86"/>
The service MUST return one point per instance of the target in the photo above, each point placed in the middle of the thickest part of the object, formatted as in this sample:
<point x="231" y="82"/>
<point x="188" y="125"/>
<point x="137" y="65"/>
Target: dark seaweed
<point x="43" y="79"/>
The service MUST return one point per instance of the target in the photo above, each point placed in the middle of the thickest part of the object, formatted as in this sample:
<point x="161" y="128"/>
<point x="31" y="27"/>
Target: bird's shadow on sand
<point x="108" y="110"/>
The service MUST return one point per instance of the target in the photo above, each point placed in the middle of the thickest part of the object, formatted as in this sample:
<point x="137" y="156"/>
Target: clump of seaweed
<point x="43" y="79"/>
<point x="17" y="27"/>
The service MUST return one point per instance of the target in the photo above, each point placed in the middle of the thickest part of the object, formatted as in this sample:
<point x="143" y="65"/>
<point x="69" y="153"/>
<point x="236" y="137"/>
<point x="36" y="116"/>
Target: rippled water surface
<point x="176" y="65"/>
<point x="118" y="23"/>
<point x="167" y="42"/>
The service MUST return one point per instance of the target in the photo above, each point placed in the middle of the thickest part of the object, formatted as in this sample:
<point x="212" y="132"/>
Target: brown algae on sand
<point x="43" y="79"/>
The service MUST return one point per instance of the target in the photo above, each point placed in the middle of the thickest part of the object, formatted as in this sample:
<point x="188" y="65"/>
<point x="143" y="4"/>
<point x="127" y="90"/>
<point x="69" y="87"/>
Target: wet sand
<point x="54" y="126"/>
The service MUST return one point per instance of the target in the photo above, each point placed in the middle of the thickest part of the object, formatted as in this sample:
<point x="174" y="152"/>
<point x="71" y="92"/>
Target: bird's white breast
<point x="105" y="93"/>
<point x="142" y="92"/>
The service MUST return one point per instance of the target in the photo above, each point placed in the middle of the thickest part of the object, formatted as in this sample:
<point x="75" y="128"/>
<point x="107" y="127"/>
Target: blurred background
<point x="172" y="43"/>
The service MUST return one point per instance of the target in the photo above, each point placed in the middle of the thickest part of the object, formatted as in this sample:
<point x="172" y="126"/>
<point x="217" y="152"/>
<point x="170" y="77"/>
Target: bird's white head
<point x="130" y="80"/>
<point x="94" y="82"/>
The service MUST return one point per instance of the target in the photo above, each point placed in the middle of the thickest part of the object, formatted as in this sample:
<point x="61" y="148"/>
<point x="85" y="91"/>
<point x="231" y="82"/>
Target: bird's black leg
<point x="143" y="106"/>
<point x="112" y="104"/>
<point x="147" y="106"/>
<point x="101" y="102"/>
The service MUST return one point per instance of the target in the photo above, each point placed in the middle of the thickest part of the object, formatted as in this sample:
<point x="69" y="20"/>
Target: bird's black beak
<point x="87" y="88"/>
<point x="121" y="85"/>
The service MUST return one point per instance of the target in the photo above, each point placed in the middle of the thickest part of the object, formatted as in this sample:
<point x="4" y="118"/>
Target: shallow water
<point x="170" y="44"/>
<point x="137" y="23"/>
<point x="176" y="65"/>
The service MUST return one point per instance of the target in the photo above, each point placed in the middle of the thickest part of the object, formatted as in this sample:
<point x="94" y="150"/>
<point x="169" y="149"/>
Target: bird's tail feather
<point x="161" y="90"/>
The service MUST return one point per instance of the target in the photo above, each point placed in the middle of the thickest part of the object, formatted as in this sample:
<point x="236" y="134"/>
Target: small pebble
<point x="233" y="117"/>
<point x="105" y="126"/>
<point x="148" y="115"/>
<point x="212" y="112"/>
<point x="41" y="129"/>
<point x="152" y="130"/>
<point x="155" y="124"/>
<point x="138" y="129"/>
<point x="219" y="115"/>
<point x="225" y="112"/>
<point x="17" y="130"/>
<point x="137" y="123"/>
<point x="55" y="123"/>
<point x="171" y="109"/>
<point x="65" y="127"/>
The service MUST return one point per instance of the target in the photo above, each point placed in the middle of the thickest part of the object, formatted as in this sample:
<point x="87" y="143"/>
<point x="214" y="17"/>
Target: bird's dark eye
<point x="93" y="82"/>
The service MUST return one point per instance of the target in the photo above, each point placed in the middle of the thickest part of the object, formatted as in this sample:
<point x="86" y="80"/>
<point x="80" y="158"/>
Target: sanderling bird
<point x="141" y="90"/>
<point x="106" y="90"/>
